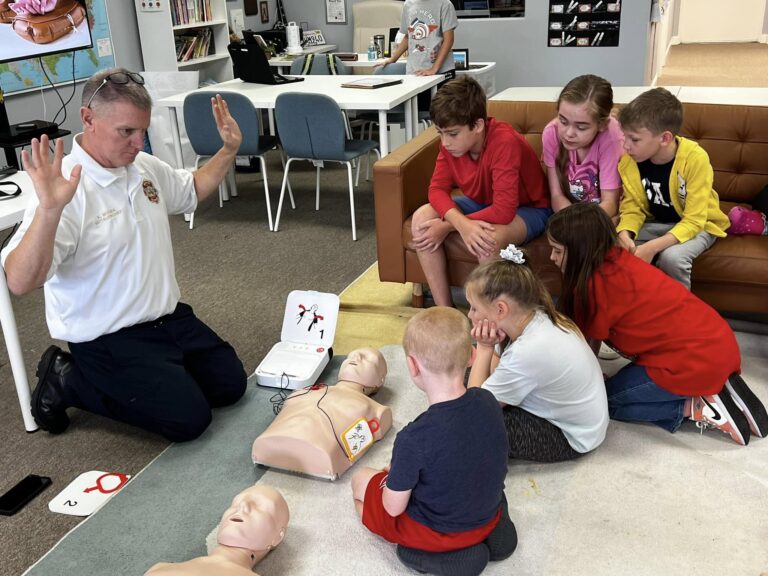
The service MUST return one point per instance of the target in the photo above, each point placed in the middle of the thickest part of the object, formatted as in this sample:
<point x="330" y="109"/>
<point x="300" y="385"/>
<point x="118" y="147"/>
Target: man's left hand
<point x="226" y="124"/>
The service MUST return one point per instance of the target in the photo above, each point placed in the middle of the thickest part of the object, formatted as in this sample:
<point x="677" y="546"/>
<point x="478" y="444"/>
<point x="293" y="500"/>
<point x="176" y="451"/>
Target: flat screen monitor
<point x="76" y="36"/>
<point x="70" y="18"/>
<point x="471" y="8"/>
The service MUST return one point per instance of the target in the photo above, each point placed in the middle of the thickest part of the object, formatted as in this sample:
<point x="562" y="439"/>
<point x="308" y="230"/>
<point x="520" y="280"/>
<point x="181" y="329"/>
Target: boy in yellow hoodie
<point x="669" y="213"/>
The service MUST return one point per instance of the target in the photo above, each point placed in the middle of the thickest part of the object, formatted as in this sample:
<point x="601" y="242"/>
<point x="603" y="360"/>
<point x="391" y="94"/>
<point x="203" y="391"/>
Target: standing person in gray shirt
<point x="428" y="26"/>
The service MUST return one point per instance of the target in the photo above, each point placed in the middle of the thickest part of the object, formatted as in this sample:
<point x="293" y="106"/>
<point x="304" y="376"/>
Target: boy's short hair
<point x="657" y="110"/>
<point x="439" y="338"/>
<point x="460" y="102"/>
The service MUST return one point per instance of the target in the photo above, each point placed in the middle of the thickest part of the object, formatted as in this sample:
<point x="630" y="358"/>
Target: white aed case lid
<point x="310" y="318"/>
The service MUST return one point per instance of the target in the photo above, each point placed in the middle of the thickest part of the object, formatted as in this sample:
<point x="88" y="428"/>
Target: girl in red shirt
<point x="685" y="360"/>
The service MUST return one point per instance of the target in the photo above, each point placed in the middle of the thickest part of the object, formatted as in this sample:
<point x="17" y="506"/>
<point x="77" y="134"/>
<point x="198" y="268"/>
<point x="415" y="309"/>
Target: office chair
<point x="312" y="127"/>
<point x="326" y="64"/>
<point x="205" y="139"/>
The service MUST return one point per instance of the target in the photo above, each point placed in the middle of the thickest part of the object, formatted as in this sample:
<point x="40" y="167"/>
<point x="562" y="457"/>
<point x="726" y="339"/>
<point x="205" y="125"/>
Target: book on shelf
<point x="190" y="11"/>
<point x="369" y="83"/>
<point x="196" y="44"/>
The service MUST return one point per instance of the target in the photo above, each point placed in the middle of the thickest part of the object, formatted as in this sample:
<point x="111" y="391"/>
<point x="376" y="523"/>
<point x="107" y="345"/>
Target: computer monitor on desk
<point x="250" y="64"/>
<point x="276" y="37"/>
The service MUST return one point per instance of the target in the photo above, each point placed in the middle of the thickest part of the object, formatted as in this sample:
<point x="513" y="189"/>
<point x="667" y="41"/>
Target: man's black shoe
<point x="48" y="407"/>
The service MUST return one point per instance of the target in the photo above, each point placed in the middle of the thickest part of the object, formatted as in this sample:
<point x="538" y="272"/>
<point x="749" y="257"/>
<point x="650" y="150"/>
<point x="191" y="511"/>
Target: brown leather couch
<point x="732" y="276"/>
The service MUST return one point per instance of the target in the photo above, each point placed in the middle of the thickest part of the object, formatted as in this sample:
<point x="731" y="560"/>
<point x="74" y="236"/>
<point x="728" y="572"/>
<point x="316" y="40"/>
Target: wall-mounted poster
<point x="335" y="12"/>
<point x="574" y="23"/>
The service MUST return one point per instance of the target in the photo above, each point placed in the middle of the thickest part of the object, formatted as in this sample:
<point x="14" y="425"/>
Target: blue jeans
<point x="634" y="397"/>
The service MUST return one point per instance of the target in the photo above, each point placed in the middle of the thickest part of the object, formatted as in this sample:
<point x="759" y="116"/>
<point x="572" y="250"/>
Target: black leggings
<point x="534" y="438"/>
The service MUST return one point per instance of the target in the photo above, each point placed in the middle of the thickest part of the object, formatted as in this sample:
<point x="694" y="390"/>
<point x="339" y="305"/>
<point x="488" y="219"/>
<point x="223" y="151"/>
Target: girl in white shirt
<point x="536" y="363"/>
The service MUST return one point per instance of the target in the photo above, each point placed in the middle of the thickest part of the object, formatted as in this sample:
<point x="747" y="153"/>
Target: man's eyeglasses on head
<point x="118" y="78"/>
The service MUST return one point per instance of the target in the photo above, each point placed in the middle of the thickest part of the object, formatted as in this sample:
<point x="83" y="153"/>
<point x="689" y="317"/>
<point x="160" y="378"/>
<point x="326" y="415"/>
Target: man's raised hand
<point x="53" y="190"/>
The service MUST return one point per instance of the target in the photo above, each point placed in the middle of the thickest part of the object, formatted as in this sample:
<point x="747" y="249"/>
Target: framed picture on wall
<point x="264" y="11"/>
<point x="335" y="11"/>
<point x="251" y="7"/>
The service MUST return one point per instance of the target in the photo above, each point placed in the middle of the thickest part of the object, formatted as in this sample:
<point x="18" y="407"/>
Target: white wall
<point x="721" y="21"/>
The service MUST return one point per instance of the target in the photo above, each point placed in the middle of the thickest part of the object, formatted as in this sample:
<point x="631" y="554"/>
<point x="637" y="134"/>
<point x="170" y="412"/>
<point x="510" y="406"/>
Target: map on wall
<point x="26" y="74"/>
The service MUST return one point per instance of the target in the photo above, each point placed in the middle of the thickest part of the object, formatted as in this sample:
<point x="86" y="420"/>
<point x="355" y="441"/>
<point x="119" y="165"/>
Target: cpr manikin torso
<point x="301" y="438"/>
<point x="252" y="526"/>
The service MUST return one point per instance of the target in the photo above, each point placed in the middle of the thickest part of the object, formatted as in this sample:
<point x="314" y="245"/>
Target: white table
<point x="483" y="72"/>
<point x="285" y="61"/>
<point x="11" y="213"/>
<point x="264" y="96"/>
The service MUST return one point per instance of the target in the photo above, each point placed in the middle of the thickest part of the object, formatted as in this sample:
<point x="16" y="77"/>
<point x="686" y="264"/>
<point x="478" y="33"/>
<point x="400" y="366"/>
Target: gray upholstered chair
<point x="318" y="64"/>
<point x="312" y="127"/>
<point x="205" y="140"/>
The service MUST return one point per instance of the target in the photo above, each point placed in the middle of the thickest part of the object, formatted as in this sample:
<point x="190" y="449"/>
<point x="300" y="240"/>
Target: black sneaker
<point x="750" y="404"/>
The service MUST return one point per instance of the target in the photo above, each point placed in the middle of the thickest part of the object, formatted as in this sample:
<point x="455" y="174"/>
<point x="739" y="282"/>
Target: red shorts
<point x="405" y="530"/>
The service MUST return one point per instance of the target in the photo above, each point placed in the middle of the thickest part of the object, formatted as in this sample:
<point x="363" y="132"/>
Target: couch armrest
<point x="400" y="186"/>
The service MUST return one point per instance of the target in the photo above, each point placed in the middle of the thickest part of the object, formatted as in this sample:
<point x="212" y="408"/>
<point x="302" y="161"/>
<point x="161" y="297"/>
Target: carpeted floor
<point x="236" y="275"/>
<point x="645" y="503"/>
<point x="716" y="65"/>
<point x="372" y="313"/>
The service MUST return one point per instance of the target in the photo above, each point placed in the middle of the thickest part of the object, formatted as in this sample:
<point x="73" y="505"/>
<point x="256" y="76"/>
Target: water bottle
<point x="372" y="52"/>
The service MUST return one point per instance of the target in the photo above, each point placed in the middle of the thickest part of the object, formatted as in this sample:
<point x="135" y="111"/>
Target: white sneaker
<point x="607" y="353"/>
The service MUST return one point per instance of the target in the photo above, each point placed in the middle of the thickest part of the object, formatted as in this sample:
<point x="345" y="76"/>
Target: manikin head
<point x="366" y="367"/>
<point x="256" y="520"/>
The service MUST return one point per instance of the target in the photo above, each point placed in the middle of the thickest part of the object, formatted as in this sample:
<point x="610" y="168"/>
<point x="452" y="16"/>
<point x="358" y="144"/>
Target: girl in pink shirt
<point x="582" y="146"/>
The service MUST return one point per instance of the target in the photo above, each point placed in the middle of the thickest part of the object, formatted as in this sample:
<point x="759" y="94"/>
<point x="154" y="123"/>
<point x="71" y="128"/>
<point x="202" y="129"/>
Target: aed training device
<point x="22" y="493"/>
<point x="309" y="326"/>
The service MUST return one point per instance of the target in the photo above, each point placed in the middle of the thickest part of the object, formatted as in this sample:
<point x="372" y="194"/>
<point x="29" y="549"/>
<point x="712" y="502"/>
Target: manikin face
<point x="114" y="132"/>
<point x="256" y="520"/>
<point x="459" y="140"/>
<point x="641" y="144"/>
<point x="576" y="127"/>
<point x="559" y="254"/>
<point x="365" y="366"/>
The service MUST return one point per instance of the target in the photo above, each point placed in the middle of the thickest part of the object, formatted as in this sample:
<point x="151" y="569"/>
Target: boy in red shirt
<point x="505" y="199"/>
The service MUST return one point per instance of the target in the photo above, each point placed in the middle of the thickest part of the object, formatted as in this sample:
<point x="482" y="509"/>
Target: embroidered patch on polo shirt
<point x="150" y="192"/>
<point x="108" y="215"/>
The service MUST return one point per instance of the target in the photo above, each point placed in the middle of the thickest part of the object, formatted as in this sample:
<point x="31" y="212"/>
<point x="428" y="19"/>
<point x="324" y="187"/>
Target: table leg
<point x="410" y="128"/>
<point x="383" y="133"/>
<point x="176" y="138"/>
<point x="12" y="344"/>
<point x="271" y="116"/>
